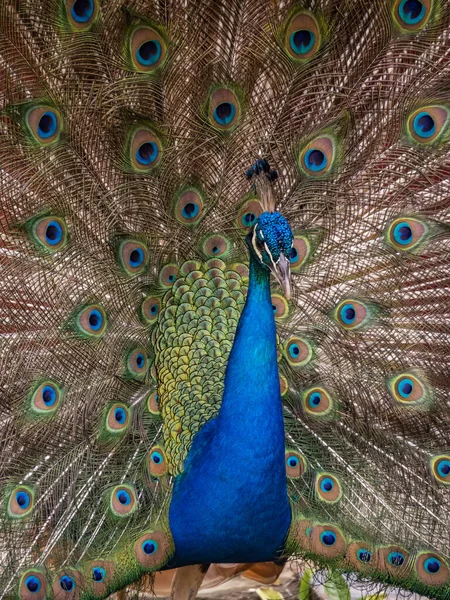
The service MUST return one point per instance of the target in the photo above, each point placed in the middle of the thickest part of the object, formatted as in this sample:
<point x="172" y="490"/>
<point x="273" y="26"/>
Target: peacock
<point x="224" y="292"/>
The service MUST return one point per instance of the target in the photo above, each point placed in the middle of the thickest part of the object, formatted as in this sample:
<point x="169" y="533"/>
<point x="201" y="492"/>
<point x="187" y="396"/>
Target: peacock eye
<point x="147" y="49"/>
<point x="303" y="37"/>
<point x="145" y="150"/>
<point x="66" y="583"/>
<point x="81" y="14"/>
<point x="363" y="555"/>
<point x="317" y="158"/>
<point x="46" y="398"/>
<point x="157" y="462"/>
<point x="98" y="574"/>
<point x="45" y="124"/>
<point x="123" y="500"/>
<point x="133" y="257"/>
<point x="49" y="234"/>
<point x="189" y="207"/>
<point x="411" y="15"/>
<point x="224" y="109"/>
<point x="317" y="402"/>
<point x="21" y="502"/>
<point x="427" y="124"/>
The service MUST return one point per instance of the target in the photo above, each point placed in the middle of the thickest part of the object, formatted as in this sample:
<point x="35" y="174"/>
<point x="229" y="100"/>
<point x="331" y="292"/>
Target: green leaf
<point x="269" y="594"/>
<point x="304" y="591"/>
<point x="336" y="587"/>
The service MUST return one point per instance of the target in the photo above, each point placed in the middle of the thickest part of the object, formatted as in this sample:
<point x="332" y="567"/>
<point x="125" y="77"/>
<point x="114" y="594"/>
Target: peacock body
<point x="197" y="368"/>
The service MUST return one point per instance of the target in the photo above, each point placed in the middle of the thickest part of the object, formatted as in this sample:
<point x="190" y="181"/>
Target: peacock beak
<point x="282" y="272"/>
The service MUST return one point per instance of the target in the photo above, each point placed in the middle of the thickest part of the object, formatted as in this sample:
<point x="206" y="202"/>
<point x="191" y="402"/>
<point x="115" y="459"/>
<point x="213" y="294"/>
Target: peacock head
<point x="270" y="240"/>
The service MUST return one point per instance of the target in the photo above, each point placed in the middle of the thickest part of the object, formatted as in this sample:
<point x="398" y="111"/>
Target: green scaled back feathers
<point x="126" y="129"/>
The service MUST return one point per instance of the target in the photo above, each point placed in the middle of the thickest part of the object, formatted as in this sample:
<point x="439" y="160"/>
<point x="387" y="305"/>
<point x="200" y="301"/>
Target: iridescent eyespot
<point x="33" y="585"/>
<point x="328" y="488"/>
<point x="46" y="398"/>
<point x="20" y="502"/>
<point x="189" y="206"/>
<point x="45" y="125"/>
<point x="295" y="464"/>
<point x="327" y="540"/>
<point x="303" y="37"/>
<point x="91" y="321"/>
<point x="406" y="234"/>
<point x="318" y="156"/>
<point x="280" y="307"/>
<point x="300" y="252"/>
<point x="133" y="257"/>
<point x="118" y="418"/>
<point x="168" y="275"/>
<point x="153" y="403"/>
<point x="145" y="150"/>
<point x="81" y="14"/>
<point x="317" y="402"/>
<point x="431" y="569"/>
<point x="351" y="314"/>
<point x="216" y="246"/>
<point x="157" y="461"/>
<point x="48" y="233"/>
<point x="147" y="49"/>
<point x="408" y="389"/>
<point x="98" y="574"/>
<point x="123" y="500"/>
<point x="298" y="352"/>
<point x="411" y="15"/>
<point x="425" y="125"/>
<point x="248" y="214"/>
<point x="440" y="467"/>
<point x="364" y="555"/>
<point x="66" y="583"/>
<point x="137" y="363"/>
<point x="224" y="109"/>
<point x="150" y="309"/>
<point x="393" y="559"/>
<point x="151" y="549"/>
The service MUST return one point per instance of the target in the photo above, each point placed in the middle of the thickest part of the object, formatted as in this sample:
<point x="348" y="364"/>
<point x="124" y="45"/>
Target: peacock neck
<point x="252" y="390"/>
<point x="230" y="504"/>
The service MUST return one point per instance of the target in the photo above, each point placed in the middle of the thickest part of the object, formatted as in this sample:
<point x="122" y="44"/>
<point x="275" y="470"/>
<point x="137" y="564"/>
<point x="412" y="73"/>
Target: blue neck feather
<point x="230" y="504"/>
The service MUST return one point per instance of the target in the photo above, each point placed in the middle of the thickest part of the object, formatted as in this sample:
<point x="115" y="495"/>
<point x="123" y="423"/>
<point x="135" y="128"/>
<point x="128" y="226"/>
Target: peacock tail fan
<point x="126" y="131"/>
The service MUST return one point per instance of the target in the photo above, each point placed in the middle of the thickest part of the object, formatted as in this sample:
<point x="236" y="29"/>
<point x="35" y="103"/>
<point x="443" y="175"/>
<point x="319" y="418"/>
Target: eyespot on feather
<point x="150" y="309"/>
<point x="216" y="246"/>
<point x="431" y="569"/>
<point x="147" y="49"/>
<point x="118" y="418"/>
<point x="303" y="37"/>
<point x="224" y="109"/>
<point x="48" y="233"/>
<point x="427" y="124"/>
<point x="68" y="585"/>
<point x="408" y="389"/>
<point x="152" y="550"/>
<point x="317" y="402"/>
<point x="248" y="214"/>
<point x="361" y="556"/>
<point x="20" y="502"/>
<point x="328" y="541"/>
<point x="189" y="207"/>
<point x="301" y="533"/>
<point x="316" y="159"/>
<point x="411" y="15"/>
<point x="123" y="500"/>
<point x="351" y="314"/>
<point x="280" y="307"/>
<point x="295" y="464"/>
<point x="440" y="468"/>
<point x="328" y="487"/>
<point x="137" y="363"/>
<point x="153" y="403"/>
<point x="81" y="14"/>
<point x="33" y="585"/>
<point x="168" y="275"/>
<point x="101" y="573"/>
<point x="145" y="150"/>
<point x="298" y="352"/>
<point x="157" y="462"/>
<point x="395" y="560"/>
<point x="133" y="257"/>
<point x="300" y="253"/>
<point x="91" y="321"/>
<point x="46" y="398"/>
<point x="405" y="234"/>
<point x="284" y="385"/>
<point x="44" y="124"/>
